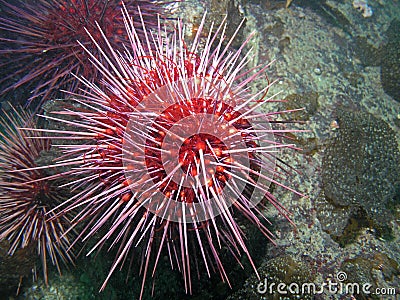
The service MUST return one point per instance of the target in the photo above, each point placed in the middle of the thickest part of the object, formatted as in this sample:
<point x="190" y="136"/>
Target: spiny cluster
<point x="176" y="148"/>
<point x="166" y="150"/>
<point x="27" y="201"/>
<point x="39" y="46"/>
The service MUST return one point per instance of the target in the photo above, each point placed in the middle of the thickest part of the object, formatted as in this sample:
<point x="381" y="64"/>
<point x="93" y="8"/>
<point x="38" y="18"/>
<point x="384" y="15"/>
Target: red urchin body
<point x="39" y="41"/>
<point x="175" y="148"/>
<point x="27" y="218"/>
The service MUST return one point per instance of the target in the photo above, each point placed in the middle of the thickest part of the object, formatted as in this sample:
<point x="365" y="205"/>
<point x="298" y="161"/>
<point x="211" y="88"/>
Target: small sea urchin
<point x="176" y="148"/>
<point x="38" y="40"/>
<point x="26" y="201"/>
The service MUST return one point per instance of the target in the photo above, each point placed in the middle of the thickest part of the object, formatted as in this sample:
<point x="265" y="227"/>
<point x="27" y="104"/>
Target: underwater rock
<point x="279" y="270"/>
<point x="308" y="101"/>
<point x="390" y="68"/>
<point x="387" y="56"/>
<point x="361" y="165"/>
<point x="368" y="55"/>
<point x="327" y="11"/>
<point x="14" y="267"/>
<point x="361" y="270"/>
<point x="333" y="218"/>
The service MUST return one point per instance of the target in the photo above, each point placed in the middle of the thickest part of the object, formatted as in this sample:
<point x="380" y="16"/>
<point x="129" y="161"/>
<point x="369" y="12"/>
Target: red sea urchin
<point x="176" y="149"/>
<point x="26" y="201"/>
<point x="38" y="40"/>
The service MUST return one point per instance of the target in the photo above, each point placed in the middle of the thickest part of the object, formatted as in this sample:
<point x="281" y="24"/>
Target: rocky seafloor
<point x="344" y="68"/>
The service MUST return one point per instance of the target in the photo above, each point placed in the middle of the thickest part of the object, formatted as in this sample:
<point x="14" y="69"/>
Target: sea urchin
<point x="38" y="40"/>
<point x="175" y="149"/>
<point x="27" y="199"/>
